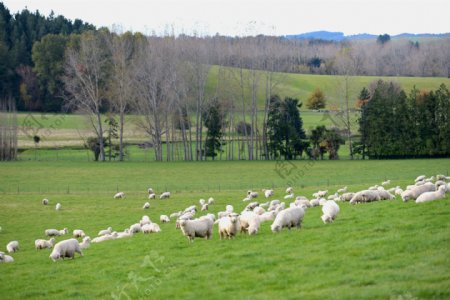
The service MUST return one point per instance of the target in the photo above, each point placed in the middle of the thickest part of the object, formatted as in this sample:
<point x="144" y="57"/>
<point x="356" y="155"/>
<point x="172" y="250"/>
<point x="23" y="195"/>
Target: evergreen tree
<point x="213" y="122"/>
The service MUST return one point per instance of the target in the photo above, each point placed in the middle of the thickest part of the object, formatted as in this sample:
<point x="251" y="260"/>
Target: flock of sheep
<point x="230" y="223"/>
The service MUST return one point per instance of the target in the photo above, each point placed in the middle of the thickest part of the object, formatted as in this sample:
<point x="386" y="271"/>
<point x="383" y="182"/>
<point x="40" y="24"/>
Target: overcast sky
<point x="251" y="17"/>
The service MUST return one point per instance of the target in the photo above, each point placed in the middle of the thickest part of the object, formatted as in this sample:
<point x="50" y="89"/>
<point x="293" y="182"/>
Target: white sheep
<point x="165" y="195"/>
<point x="229" y="208"/>
<point x="222" y="214"/>
<point x="42" y="244"/>
<point x="267" y="216"/>
<point x="365" y="196"/>
<point x="304" y="203"/>
<point x="420" y="178"/>
<point x="145" y="220"/>
<point x="289" y="217"/>
<point x="334" y="197"/>
<point x="249" y="222"/>
<point x="146" y="205"/>
<point x="197" y="228"/>
<point x="251" y="206"/>
<point x="202" y="202"/>
<point x="5" y="258"/>
<point x="229" y="226"/>
<point x="210" y="200"/>
<point x="384" y="195"/>
<point x="77" y="233"/>
<point x="440" y="177"/>
<point x="267" y="193"/>
<point x="191" y="208"/>
<point x="264" y="205"/>
<point x="58" y="206"/>
<point x="124" y="234"/>
<point x="431" y="196"/>
<point x="164" y="219"/>
<point x="322" y="201"/>
<point x="106" y="237"/>
<point x="342" y="190"/>
<point x="274" y="202"/>
<point x="247" y="199"/>
<point x="150" y="228"/>
<point x="12" y="246"/>
<point x="439" y="183"/>
<point x="289" y="190"/>
<point x="105" y="231"/>
<point x="135" y="228"/>
<point x="259" y="210"/>
<point x="289" y="196"/>
<point x="416" y="191"/>
<point x="252" y="194"/>
<point x="152" y="196"/>
<point x="398" y="191"/>
<point x="330" y="210"/>
<point x="66" y="248"/>
<point x="119" y="195"/>
<point x="150" y="191"/>
<point x="314" y="202"/>
<point x="387" y="182"/>
<point x="212" y="217"/>
<point x="45" y="201"/>
<point x="85" y="243"/>
<point x="175" y="214"/>
<point x="55" y="232"/>
<point x="322" y="194"/>
<point x="204" y="207"/>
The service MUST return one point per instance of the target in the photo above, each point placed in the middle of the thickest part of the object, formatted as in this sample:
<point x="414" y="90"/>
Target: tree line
<point x="396" y="125"/>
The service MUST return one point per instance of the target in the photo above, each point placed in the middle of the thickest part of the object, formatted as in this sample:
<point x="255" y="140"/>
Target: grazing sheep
<point x="251" y="206"/>
<point x="431" y="196"/>
<point x="398" y="191"/>
<point x="202" y="202"/>
<point x="106" y="237"/>
<point x="267" y="193"/>
<point x="150" y="228"/>
<point x="274" y="202"/>
<point x="191" y="208"/>
<point x="210" y="200"/>
<point x="229" y="226"/>
<point x="204" y="207"/>
<point x="146" y="205"/>
<point x="416" y="191"/>
<point x="314" y="202"/>
<point x="267" y="216"/>
<point x="105" y="231"/>
<point x="387" y="182"/>
<point x="119" y="195"/>
<point x="164" y="219"/>
<point x="165" y="195"/>
<point x="289" y="190"/>
<point x="420" y="178"/>
<point x="342" y="190"/>
<point x="322" y="194"/>
<point x="150" y="191"/>
<point x="334" y="197"/>
<point x="330" y="211"/>
<point x="250" y="223"/>
<point x="124" y="234"/>
<point x="58" y="206"/>
<point x="197" y="228"/>
<point x="12" y="246"/>
<point x="304" y="203"/>
<point x="175" y="214"/>
<point x="289" y="217"/>
<point x="259" y="210"/>
<point x="186" y="216"/>
<point x="45" y="201"/>
<point x="152" y="196"/>
<point x="77" y="233"/>
<point x="5" y="258"/>
<point x="135" y="228"/>
<point x="290" y="196"/>
<point x="85" y="243"/>
<point x="66" y="248"/>
<point x="145" y="220"/>
<point x="384" y="195"/>
<point x="41" y="244"/>
<point x="55" y="232"/>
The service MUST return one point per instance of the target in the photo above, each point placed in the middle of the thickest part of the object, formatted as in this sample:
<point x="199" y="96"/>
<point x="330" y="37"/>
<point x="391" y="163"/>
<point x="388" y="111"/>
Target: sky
<point x="251" y="17"/>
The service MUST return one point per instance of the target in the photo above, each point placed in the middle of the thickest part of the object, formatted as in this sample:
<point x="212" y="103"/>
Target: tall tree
<point x="213" y="122"/>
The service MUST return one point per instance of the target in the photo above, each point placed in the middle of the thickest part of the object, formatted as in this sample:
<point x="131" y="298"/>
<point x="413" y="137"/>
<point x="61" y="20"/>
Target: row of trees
<point x="396" y="125"/>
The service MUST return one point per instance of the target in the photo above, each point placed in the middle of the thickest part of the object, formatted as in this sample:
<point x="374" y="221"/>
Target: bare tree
<point x="8" y="130"/>
<point x="86" y="76"/>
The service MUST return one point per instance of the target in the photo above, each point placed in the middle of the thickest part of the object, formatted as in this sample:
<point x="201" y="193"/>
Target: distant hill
<point x="339" y="36"/>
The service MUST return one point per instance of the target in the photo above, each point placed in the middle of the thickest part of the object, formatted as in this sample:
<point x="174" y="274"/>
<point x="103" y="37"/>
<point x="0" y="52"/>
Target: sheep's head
<point x="275" y="228"/>
<point x="182" y="222"/>
<point x="55" y="256"/>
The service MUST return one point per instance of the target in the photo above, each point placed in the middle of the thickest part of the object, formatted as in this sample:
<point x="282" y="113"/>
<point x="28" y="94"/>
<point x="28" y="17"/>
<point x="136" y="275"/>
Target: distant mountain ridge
<point x="339" y="36"/>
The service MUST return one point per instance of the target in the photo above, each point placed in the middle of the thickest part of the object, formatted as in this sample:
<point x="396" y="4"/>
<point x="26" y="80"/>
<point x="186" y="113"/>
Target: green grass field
<point x="381" y="250"/>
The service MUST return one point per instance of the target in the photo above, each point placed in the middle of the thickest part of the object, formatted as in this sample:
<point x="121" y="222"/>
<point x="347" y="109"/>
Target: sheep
<point x="303" y="203"/>
<point x="334" y="197"/>
<point x="247" y="199"/>
<point x="41" y="244"/>
<point x="229" y="226"/>
<point x="387" y="182"/>
<point x="77" y="233"/>
<point x="439" y="183"/>
<point x="185" y="216"/>
<point x="12" y="246"/>
<point x="212" y="217"/>
<point x="321" y="194"/>
<point x="58" y="206"/>
<point x="164" y="195"/>
<point x="204" y="207"/>
<point x="197" y="228"/>
<point x="440" y="177"/>
<point x="191" y="208"/>
<point x="210" y="200"/>
<point x="152" y="196"/>
<point x="252" y="194"/>
<point x="267" y="193"/>
<point x="124" y="234"/>
<point x="222" y="214"/>
<point x="119" y="195"/>
<point x="106" y="237"/>
<point x="202" y="202"/>
<point x="135" y="228"/>
<point x="365" y="196"/>
<point x="55" y="232"/>
<point x="150" y="228"/>
<point x="274" y="202"/>
<point x="322" y="201"/>
<point x="418" y="183"/>
<point x="330" y="211"/>
<point x="250" y="223"/>
<point x="314" y="202"/>
<point x="430" y="196"/>
<point x="175" y="214"/>
<point x="289" y="217"/>
<point x="398" y="191"/>
<point x="105" y="231"/>
<point x="229" y="208"/>
<point x="150" y="191"/>
<point x="384" y="195"/>
<point x="66" y="248"/>
<point x="289" y="190"/>
<point x="420" y="178"/>
<point x="251" y="206"/>
<point x="267" y="216"/>
<point x="342" y="190"/>
<point x="259" y="210"/>
<point x="85" y="243"/>
<point x="416" y="191"/>
<point x="146" y="205"/>
<point x="164" y="219"/>
<point x="45" y="201"/>
<point x="145" y="220"/>
<point x="5" y="258"/>
<point x="290" y="196"/>
<point x="264" y="205"/>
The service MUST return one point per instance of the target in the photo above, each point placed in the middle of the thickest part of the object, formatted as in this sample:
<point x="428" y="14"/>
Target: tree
<point x="86" y="76"/>
<point x="8" y="130"/>
<point x="383" y="38"/>
<point x="213" y="122"/>
<point x="316" y="138"/>
<point x="333" y="140"/>
<point x="363" y="98"/>
<point x="316" y="100"/>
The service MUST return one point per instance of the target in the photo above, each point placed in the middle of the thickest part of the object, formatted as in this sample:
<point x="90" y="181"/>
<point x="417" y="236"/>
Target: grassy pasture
<point x="389" y="249"/>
